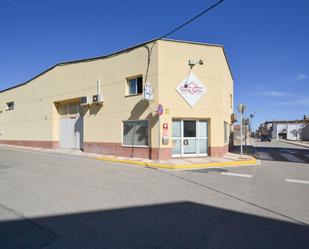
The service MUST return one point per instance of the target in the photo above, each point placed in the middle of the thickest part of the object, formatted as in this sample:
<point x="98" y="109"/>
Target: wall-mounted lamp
<point x="192" y="63"/>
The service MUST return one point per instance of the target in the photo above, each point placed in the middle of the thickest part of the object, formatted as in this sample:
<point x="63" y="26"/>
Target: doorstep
<point x="228" y="160"/>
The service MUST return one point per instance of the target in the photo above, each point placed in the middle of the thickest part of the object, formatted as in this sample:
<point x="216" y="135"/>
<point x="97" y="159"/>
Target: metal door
<point x="71" y="127"/>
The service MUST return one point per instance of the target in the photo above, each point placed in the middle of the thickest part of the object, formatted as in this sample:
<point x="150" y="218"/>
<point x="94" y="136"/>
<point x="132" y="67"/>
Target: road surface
<point x="55" y="201"/>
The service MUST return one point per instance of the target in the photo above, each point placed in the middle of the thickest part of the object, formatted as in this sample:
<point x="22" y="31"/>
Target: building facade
<point x="285" y="129"/>
<point x="305" y="132"/>
<point x="98" y="104"/>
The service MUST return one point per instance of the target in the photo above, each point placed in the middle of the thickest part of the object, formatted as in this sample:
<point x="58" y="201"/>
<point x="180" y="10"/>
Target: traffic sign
<point x="160" y="110"/>
<point x="148" y="92"/>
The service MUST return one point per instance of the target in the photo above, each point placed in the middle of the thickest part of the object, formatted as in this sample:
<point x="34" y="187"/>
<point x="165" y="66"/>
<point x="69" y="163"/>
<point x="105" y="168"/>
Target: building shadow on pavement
<point x="276" y="154"/>
<point x="171" y="225"/>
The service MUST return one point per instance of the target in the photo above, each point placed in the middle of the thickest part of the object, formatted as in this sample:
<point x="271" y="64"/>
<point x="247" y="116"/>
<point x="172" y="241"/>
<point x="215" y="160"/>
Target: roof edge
<point x="79" y="61"/>
<point x="114" y="54"/>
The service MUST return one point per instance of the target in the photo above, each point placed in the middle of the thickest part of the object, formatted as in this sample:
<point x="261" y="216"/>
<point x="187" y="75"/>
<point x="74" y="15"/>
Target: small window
<point x="135" y="133"/>
<point x="10" y="105"/>
<point x="66" y="109"/>
<point x="231" y="100"/>
<point x="226" y="132"/>
<point x="73" y="108"/>
<point x="135" y="85"/>
<point x="63" y="109"/>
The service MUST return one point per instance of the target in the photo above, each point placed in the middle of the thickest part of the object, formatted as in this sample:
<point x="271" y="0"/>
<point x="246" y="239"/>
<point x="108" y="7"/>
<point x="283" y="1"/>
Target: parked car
<point x="265" y="138"/>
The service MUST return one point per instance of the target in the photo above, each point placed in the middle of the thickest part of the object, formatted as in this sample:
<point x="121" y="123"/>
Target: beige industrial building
<point x="160" y="99"/>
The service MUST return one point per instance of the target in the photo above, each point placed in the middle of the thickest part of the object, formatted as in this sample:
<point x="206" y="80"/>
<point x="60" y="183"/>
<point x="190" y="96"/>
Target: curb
<point x="293" y="143"/>
<point x="252" y="161"/>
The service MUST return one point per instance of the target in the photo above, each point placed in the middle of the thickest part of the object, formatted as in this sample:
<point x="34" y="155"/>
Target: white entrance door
<point x="190" y="138"/>
<point x="71" y="127"/>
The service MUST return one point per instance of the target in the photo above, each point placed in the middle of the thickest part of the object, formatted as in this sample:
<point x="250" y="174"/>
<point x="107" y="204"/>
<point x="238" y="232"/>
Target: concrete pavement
<point x="228" y="160"/>
<point x="60" y="201"/>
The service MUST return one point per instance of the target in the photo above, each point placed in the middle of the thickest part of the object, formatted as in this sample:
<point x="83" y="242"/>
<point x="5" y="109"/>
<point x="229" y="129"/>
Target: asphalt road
<point x="56" y="201"/>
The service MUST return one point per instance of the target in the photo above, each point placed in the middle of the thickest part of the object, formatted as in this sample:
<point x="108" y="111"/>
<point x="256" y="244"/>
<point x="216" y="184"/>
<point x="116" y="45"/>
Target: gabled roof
<point x="114" y="54"/>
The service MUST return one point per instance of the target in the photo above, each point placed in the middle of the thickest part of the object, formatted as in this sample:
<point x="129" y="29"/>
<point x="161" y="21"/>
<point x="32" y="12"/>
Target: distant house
<point x="305" y="132"/>
<point x="236" y="130"/>
<point x="284" y="129"/>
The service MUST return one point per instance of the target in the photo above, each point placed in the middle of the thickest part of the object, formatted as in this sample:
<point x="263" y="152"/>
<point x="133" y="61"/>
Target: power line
<point x="192" y="19"/>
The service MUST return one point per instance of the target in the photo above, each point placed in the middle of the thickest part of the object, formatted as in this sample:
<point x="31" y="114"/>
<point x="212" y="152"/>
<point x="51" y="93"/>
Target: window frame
<point x="134" y="146"/>
<point x="67" y="107"/>
<point x="128" y="85"/>
<point x="225" y="132"/>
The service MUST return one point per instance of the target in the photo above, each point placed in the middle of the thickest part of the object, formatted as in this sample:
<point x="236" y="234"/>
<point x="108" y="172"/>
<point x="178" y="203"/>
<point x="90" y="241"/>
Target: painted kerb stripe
<point x="251" y="161"/>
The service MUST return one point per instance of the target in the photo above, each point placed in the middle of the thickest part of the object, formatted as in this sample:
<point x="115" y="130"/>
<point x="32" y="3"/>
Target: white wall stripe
<point x="234" y="174"/>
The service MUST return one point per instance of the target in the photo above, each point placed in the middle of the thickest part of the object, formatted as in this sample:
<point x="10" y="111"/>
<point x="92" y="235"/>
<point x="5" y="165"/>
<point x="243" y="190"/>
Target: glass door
<point x="202" y="137"/>
<point x="190" y="138"/>
<point x="177" y="138"/>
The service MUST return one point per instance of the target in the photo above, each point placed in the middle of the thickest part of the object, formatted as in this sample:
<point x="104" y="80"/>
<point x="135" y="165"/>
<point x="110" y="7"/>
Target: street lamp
<point x="250" y="120"/>
<point x="241" y="109"/>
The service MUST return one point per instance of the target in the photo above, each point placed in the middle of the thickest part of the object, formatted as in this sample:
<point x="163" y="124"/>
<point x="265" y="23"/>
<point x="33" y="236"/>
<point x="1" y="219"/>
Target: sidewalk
<point x="299" y="143"/>
<point x="228" y="160"/>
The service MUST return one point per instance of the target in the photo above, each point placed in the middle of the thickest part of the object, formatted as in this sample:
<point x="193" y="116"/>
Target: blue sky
<point x="267" y="42"/>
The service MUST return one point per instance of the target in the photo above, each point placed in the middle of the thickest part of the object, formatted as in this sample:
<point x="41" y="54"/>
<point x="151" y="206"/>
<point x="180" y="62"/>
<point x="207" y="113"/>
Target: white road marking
<point x="287" y="150"/>
<point x="297" y="181"/>
<point x="264" y="156"/>
<point x="291" y="158"/>
<point x="234" y="174"/>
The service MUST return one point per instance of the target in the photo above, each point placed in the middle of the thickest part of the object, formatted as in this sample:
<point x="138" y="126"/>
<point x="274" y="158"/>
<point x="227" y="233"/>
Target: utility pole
<point x="241" y="108"/>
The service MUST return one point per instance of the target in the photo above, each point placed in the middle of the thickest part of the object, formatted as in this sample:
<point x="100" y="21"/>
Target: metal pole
<point x="159" y="132"/>
<point x="241" y="152"/>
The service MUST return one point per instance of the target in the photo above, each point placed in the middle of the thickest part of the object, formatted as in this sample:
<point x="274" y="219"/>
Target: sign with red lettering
<point x="191" y="89"/>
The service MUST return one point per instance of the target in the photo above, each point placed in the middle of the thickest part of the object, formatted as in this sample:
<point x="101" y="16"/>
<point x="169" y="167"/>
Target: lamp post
<point x="241" y="109"/>
<point x="250" y="121"/>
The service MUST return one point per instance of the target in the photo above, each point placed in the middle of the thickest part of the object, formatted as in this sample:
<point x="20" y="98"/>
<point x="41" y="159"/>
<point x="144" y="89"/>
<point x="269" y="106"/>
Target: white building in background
<point x="286" y="129"/>
<point x="290" y="130"/>
<point x="305" y="133"/>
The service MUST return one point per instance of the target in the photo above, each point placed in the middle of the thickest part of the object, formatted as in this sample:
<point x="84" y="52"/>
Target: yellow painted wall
<point x="214" y="74"/>
<point x="36" y="117"/>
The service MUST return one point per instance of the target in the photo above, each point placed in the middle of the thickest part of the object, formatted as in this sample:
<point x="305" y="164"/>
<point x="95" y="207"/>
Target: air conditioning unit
<point x="97" y="99"/>
<point x="84" y="101"/>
